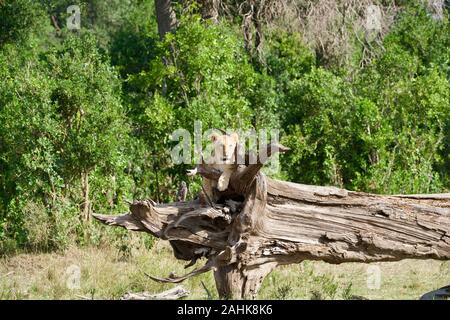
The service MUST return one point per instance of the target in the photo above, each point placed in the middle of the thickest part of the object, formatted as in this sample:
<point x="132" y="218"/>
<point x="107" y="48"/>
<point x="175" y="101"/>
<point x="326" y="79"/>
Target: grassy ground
<point x="109" y="273"/>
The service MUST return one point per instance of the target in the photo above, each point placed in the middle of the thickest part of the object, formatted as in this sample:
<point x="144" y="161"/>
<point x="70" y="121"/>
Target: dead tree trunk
<point x="260" y="223"/>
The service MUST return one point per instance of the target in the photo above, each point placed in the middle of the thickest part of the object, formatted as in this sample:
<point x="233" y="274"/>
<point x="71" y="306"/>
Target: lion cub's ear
<point x="235" y="136"/>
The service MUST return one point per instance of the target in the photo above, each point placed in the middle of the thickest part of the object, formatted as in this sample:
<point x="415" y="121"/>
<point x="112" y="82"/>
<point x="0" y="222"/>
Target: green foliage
<point x="304" y="281"/>
<point x="26" y="126"/>
<point x="204" y="70"/>
<point x="386" y="130"/>
<point x="408" y="139"/>
<point x="287" y="57"/>
<point x="200" y="73"/>
<point x="132" y="45"/>
<point x="422" y="37"/>
<point x="18" y="19"/>
<point x="61" y="117"/>
<point x="318" y="107"/>
<point x="88" y="109"/>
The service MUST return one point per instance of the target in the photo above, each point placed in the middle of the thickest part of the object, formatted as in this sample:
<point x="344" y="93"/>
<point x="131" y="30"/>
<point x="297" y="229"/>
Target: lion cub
<point x="222" y="158"/>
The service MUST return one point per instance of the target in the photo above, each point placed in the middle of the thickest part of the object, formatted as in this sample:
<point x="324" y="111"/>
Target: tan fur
<point x="223" y="157"/>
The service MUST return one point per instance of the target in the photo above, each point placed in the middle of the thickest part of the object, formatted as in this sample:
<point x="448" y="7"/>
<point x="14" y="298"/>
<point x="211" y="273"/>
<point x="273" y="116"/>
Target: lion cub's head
<point x="224" y="147"/>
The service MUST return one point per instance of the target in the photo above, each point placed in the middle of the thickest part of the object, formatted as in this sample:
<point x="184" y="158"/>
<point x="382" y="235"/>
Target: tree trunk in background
<point x="165" y="16"/>
<point x="260" y="223"/>
<point x="86" y="207"/>
<point x="167" y="22"/>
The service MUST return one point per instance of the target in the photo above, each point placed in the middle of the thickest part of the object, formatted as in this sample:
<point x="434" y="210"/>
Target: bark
<point x="165" y="15"/>
<point x="260" y="223"/>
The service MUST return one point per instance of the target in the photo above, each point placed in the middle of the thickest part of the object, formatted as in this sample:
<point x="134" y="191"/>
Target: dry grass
<point x="108" y="273"/>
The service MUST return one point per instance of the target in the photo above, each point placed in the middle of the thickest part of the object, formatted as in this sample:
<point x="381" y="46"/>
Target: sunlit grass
<point x="108" y="273"/>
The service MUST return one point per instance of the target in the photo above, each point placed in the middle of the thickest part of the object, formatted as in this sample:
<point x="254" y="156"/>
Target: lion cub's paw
<point x="191" y="172"/>
<point x="222" y="184"/>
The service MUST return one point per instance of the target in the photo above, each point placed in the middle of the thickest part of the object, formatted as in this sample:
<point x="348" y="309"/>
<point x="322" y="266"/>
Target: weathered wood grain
<point x="281" y="222"/>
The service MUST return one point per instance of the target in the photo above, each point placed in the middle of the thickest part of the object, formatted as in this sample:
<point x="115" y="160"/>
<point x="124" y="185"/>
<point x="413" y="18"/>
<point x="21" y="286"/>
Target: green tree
<point x="18" y="19"/>
<point x="61" y="123"/>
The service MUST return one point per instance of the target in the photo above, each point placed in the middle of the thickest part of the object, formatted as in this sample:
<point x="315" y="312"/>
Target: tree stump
<point x="260" y="223"/>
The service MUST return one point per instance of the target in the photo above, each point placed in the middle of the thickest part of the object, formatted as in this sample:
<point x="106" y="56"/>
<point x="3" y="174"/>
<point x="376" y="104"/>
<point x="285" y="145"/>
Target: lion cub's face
<point x="224" y="147"/>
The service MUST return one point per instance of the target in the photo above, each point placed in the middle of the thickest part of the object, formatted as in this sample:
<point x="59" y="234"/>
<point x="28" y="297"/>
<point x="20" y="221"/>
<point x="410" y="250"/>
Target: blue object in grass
<point x="439" y="294"/>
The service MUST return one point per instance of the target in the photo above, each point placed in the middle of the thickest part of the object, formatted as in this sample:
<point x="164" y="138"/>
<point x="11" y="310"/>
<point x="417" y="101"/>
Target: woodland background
<point x="86" y="116"/>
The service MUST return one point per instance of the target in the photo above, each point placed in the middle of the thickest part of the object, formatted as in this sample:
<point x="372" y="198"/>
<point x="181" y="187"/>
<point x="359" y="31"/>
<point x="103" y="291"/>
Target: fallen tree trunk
<point x="260" y="223"/>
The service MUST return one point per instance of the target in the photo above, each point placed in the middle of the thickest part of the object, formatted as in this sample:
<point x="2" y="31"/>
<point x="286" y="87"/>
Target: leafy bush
<point x="86" y="116"/>
<point x="61" y="118"/>
<point x="19" y="19"/>
<point x="386" y="129"/>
